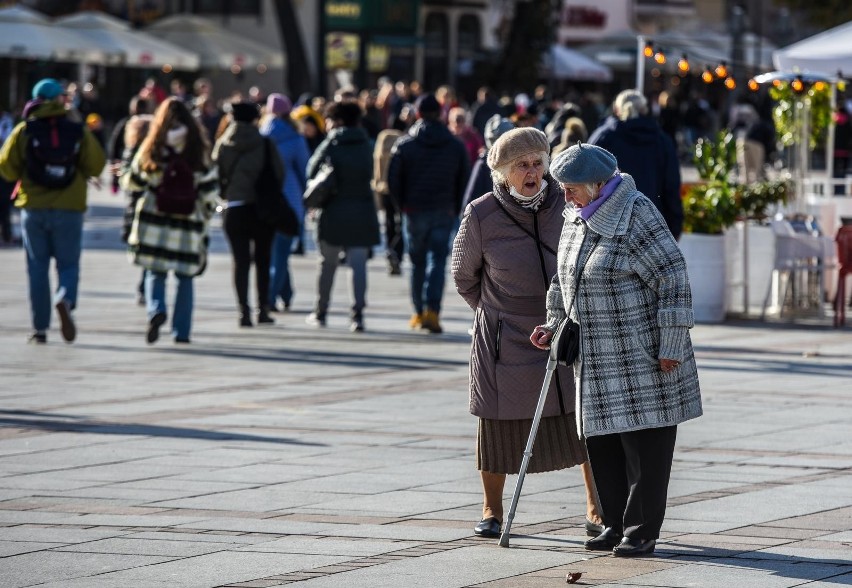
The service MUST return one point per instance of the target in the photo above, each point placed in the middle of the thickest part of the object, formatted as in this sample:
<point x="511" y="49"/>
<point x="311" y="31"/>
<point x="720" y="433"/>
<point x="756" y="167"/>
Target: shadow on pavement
<point x="22" y="419"/>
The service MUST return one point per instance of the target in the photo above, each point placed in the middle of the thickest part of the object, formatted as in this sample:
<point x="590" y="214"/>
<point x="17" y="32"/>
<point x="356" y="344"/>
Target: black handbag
<point x="272" y="205"/>
<point x="567" y="342"/>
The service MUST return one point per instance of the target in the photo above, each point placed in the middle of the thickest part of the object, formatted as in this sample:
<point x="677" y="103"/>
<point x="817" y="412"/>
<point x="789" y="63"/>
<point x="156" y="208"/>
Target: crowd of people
<point x="551" y="213"/>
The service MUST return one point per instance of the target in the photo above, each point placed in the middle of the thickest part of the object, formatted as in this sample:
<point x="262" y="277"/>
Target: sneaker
<point x="154" y="327"/>
<point x="39" y="337"/>
<point x="66" y="321"/>
<point x="429" y="322"/>
<point x="245" y="321"/>
<point x="416" y="322"/>
<point x="315" y="319"/>
<point x="357" y="324"/>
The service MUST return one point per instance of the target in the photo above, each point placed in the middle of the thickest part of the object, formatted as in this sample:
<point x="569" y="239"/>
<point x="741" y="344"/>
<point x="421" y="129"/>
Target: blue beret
<point x="47" y="89"/>
<point x="583" y="164"/>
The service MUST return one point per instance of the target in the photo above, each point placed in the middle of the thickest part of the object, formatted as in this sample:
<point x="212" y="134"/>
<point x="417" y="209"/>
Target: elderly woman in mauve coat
<point x="623" y="279"/>
<point x="503" y="259"/>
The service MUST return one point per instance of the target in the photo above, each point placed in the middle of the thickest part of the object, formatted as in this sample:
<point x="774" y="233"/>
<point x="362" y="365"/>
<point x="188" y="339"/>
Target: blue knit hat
<point x="583" y="164"/>
<point x="47" y="89"/>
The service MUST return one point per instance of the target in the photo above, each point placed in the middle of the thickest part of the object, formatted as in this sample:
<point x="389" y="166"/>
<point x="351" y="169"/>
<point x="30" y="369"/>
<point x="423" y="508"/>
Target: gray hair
<point x="501" y="174"/>
<point x="630" y="104"/>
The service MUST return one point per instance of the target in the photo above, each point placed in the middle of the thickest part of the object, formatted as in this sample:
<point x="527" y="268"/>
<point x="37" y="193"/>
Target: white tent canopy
<point x="830" y="51"/>
<point x="27" y="34"/>
<point x="216" y="47"/>
<point x="566" y="64"/>
<point x="132" y="48"/>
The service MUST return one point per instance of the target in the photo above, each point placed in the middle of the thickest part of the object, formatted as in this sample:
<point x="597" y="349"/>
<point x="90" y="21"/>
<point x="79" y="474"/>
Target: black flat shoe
<point x="489" y="527"/>
<point x="630" y="547"/>
<point x="593" y="529"/>
<point x="605" y="541"/>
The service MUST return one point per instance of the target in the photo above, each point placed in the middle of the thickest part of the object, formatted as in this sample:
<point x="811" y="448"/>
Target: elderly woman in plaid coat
<point x="159" y="241"/>
<point x="622" y="277"/>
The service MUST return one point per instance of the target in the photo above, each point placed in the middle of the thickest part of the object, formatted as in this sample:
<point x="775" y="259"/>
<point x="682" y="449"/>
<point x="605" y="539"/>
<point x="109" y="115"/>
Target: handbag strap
<point x="523" y="228"/>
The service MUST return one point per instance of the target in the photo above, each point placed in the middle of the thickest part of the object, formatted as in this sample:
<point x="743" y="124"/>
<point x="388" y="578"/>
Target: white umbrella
<point x="566" y="64"/>
<point x="133" y="48"/>
<point x="217" y="47"/>
<point x="26" y="34"/>
<point x="829" y="51"/>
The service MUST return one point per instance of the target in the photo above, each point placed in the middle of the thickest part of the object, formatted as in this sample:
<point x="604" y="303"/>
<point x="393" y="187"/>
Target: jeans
<point x="427" y="235"/>
<point x="328" y="259"/>
<point x="155" y="301"/>
<point x="51" y="233"/>
<point x="279" y="270"/>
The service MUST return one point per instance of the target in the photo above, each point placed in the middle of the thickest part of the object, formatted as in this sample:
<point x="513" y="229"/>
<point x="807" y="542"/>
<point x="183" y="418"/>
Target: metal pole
<point x="640" y="63"/>
<point x="745" y="266"/>
<point x="829" y="143"/>
<point x="539" y="409"/>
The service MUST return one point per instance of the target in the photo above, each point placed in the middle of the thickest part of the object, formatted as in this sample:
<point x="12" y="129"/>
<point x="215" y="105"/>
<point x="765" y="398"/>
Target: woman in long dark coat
<point x="349" y="221"/>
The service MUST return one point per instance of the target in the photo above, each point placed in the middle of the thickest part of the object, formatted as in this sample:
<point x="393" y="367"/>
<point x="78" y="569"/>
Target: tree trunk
<point x="298" y="78"/>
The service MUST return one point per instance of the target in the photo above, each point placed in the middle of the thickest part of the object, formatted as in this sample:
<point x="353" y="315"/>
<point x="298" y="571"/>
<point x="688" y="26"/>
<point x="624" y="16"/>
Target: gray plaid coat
<point x="634" y="306"/>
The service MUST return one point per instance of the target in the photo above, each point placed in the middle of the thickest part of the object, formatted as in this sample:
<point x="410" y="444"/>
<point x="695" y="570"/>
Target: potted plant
<point x="710" y="208"/>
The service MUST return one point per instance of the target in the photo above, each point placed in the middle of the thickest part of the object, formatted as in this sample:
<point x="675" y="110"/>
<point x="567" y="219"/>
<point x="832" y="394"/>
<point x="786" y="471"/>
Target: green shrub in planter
<point x="711" y="206"/>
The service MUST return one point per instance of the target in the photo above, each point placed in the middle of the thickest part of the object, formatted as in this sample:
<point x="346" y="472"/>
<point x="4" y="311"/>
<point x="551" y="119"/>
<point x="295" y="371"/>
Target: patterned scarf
<point x="530" y="202"/>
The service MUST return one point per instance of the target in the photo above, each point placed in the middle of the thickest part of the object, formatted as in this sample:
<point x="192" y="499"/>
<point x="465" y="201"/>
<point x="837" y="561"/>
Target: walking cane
<point x="539" y="408"/>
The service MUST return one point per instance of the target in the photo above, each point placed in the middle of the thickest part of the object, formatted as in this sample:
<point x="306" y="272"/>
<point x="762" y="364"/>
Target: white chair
<point x="797" y="255"/>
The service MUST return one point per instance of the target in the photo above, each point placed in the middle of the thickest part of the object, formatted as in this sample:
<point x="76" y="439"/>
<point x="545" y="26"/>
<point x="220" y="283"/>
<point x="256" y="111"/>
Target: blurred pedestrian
<point x="646" y="153"/>
<point x="573" y="133"/>
<point x="293" y="149"/>
<point x="240" y="154"/>
<point x="480" y="181"/>
<point x="7" y="125"/>
<point x="348" y="223"/>
<point x="395" y="246"/>
<point x="465" y="133"/>
<point x="161" y="241"/>
<point x="428" y="173"/>
<point x="52" y="199"/>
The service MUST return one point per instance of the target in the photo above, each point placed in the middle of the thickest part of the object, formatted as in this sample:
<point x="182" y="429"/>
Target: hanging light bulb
<point x="648" y="51"/>
<point x="683" y="64"/>
<point x="777" y="83"/>
<point x="753" y="85"/>
<point x="797" y="85"/>
<point x="819" y="86"/>
<point x="730" y="83"/>
<point x="707" y="75"/>
<point x="660" y="57"/>
<point x="722" y="70"/>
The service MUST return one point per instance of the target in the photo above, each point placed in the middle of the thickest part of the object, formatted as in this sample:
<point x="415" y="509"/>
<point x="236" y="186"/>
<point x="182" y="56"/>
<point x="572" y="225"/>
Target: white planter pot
<point x="705" y="263"/>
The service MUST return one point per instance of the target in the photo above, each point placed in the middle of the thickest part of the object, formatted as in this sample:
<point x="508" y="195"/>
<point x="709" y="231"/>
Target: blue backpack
<point x="53" y="150"/>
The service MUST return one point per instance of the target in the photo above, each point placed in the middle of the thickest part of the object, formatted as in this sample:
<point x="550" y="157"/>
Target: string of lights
<point x="722" y="72"/>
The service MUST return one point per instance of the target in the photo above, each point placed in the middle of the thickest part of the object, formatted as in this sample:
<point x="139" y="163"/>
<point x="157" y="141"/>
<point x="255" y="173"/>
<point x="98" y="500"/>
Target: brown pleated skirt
<point x="500" y="445"/>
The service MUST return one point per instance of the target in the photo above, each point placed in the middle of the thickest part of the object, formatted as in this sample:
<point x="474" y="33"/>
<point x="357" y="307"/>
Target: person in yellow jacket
<point x="52" y="158"/>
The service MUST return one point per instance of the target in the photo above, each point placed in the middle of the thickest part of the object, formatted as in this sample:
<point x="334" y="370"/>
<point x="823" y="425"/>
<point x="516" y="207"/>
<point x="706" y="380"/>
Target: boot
<point x="245" y="316"/>
<point x="430" y="322"/>
<point x="416" y="322"/>
<point x="263" y="317"/>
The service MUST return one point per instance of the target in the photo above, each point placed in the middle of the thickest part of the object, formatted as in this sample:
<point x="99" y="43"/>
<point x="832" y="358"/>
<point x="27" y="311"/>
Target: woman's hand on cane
<point x="541" y="337"/>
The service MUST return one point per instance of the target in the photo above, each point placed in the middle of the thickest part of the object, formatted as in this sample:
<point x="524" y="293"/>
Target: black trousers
<point x="631" y="472"/>
<point x="243" y="228"/>
<point x="393" y="229"/>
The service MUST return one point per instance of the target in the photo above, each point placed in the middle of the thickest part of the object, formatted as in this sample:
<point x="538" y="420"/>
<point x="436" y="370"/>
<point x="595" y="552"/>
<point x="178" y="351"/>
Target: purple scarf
<point x="587" y="211"/>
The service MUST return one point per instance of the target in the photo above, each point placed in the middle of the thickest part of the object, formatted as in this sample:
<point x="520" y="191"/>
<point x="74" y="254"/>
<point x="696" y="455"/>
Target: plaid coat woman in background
<point x="162" y="242"/>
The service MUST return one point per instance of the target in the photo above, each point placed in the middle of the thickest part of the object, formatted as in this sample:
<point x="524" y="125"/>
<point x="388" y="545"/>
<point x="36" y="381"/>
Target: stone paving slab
<point x="297" y="456"/>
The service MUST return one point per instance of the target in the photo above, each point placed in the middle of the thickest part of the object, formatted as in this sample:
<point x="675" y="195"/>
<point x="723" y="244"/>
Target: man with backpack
<point x="52" y="157"/>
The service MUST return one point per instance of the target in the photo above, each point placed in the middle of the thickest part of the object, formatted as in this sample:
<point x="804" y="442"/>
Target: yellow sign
<point x="378" y="57"/>
<point x="341" y="51"/>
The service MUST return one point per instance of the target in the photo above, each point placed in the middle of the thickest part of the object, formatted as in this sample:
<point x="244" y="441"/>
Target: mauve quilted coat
<point x="503" y="274"/>
<point x="634" y="306"/>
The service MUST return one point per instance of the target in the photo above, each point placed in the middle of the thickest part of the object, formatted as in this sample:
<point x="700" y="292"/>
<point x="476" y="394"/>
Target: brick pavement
<point x="294" y="456"/>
